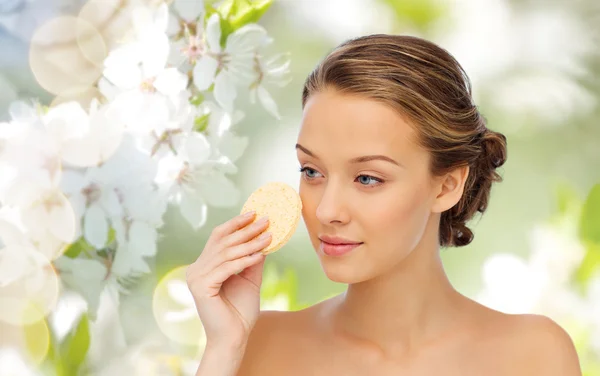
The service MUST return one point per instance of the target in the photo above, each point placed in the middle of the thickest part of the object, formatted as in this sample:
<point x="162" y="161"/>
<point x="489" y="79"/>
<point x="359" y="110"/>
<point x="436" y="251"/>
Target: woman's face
<point x="383" y="203"/>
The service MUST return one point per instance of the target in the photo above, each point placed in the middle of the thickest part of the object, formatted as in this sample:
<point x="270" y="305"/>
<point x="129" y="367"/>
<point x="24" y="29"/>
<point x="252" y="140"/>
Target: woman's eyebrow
<point x="361" y="159"/>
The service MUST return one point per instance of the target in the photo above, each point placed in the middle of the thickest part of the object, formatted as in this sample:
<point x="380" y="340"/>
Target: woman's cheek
<point x="408" y="215"/>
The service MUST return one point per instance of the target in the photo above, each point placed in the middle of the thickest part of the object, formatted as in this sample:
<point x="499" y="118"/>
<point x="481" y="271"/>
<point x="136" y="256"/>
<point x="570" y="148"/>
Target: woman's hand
<point x="228" y="303"/>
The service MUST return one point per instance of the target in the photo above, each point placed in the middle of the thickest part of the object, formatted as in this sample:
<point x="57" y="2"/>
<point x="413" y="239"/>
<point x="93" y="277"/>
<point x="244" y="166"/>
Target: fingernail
<point x="264" y="236"/>
<point x="262" y="220"/>
<point x="249" y="214"/>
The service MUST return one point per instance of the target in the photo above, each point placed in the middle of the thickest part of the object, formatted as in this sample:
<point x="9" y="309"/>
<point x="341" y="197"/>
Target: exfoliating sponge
<point x="283" y="207"/>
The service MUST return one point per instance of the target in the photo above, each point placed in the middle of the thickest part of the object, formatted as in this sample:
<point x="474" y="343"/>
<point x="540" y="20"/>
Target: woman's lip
<point x="337" y="249"/>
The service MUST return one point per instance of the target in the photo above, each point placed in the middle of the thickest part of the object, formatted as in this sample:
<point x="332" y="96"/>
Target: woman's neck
<point x="402" y="310"/>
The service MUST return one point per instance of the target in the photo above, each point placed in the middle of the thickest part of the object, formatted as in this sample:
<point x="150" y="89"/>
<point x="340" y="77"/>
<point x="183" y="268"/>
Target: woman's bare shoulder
<point x="275" y="340"/>
<point x="535" y="344"/>
<point x="550" y="348"/>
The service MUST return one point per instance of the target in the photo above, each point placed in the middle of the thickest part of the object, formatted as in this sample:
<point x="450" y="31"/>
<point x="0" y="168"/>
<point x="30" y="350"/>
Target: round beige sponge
<point x="283" y="207"/>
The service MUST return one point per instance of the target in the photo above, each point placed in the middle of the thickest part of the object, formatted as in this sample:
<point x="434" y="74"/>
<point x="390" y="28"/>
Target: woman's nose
<point x="332" y="208"/>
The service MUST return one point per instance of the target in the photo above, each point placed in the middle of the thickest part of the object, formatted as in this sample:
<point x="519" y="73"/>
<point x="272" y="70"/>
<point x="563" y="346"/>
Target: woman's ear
<point x="450" y="189"/>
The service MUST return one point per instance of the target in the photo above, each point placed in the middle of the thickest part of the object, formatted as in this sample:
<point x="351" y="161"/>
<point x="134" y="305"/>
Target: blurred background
<point x="535" y="70"/>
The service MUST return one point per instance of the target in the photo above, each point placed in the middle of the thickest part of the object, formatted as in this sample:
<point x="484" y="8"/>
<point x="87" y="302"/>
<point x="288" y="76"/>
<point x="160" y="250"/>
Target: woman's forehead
<point x="360" y="125"/>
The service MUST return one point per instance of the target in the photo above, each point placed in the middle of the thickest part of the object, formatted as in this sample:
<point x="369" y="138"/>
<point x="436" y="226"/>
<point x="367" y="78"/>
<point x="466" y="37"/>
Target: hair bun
<point x="461" y="234"/>
<point x="494" y="148"/>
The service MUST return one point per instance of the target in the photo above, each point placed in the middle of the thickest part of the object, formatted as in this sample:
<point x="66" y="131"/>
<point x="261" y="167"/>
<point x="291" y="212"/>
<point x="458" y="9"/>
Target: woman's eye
<point x="307" y="172"/>
<point x="365" y="179"/>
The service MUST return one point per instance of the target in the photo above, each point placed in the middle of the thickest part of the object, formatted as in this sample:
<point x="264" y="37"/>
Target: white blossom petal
<point x="126" y="106"/>
<point x="108" y="89"/>
<point x="49" y="245"/>
<point x="84" y="276"/>
<point x="161" y="17"/>
<point x="193" y="208"/>
<point x="225" y="91"/>
<point x="123" y="76"/>
<point x="22" y="192"/>
<point x="142" y="239"/>
<point x="13" y="264"/>
<point x="126" y="55"/>
<point x="277" y="66"/>
<point x="155" y="53"/>
<point x="98" y="145"/>
<point x="78" y="202"/>
<point x="119" y="225"/>
<point x="66" y="120"/>
<point x="11" y="233"/>
<point x="204" y="72"/>
<point x="189" y="10"/>
<point x="95" y="226"/>
<point x="213" y="33"/>
<point x="170" y="82"/>
<point x="197" y="148"/>
<point x="246" y="39"/>
<point x="173" y="27"/>
<point x="152" y="114"/>
<point x="218" y="122"/>
<point x="127" y="262"/>
<point x="141" y="18"/>
<point x="268" y="102"/>
<point x="62" y="221"/>
<point x="218" y="190"/>
<point x="109" y="202"/>
<point x="169" y="168"/>
<point x="223" y="164"/>
<point x="72" y="182"/>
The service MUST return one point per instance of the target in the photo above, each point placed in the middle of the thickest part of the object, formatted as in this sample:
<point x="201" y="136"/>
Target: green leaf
<point x="37" y="340"/>
<point x="112" y="235"/>
<point x="567" y="199"/>
<point x="75" y="346"/>
<point x="201" y="123"/>
<point x="420" y="13"/>
<point x="249" y="12"/>
<point x="589" y="224"/>
<point x="226" y="30"/>
<point x="52" y="352"/>
<point x="226" y="8"/>
<point x="237" y="13"/>
<point x="54" y="364"/>
<point x="209" y="11"/>
<point x="589" y="265"/>
<point x="197" y="99"/>
<point x="81" y="245"/>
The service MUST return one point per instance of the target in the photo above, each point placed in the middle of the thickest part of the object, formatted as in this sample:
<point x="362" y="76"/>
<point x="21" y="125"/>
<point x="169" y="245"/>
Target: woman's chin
<point x="343" y="272"/>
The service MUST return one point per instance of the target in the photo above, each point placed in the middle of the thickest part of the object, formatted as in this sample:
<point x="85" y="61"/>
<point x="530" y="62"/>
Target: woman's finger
<point x="239" y="251"/>
<point x="224" y="229"/>
<point x="246" y="233"/>
<point x="216" y="277"/>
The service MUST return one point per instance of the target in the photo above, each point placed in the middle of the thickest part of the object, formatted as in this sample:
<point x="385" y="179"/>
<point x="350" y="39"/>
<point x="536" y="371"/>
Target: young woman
<point x="396" y="158"/>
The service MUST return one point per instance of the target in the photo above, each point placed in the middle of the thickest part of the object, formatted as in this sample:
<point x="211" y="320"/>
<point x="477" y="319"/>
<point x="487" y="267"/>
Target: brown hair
<point x="424" y="83"/>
